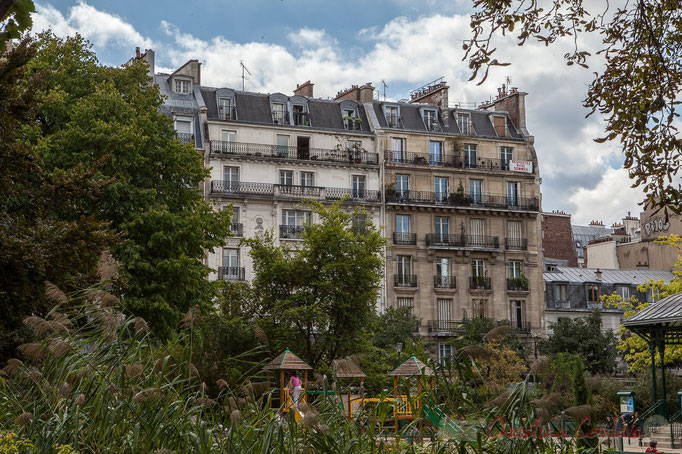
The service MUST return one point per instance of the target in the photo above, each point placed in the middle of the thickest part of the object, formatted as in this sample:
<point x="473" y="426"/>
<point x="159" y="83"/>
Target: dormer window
<point x="500" y="124"/>
<point x="464" y="123"/>
<point x="184" y="128"/>
<point x="392" y="114"/>
<point x="351" y="120"/>
<point x="301" y="117"/>
<point x="279" y="113"/>
<point x="430" y="118"/>
<point x="182" y="86"/>
<point x="226" y="109"/>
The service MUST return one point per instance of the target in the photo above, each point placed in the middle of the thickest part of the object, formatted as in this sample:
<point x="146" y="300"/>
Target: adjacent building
<point x="557" y="241"/>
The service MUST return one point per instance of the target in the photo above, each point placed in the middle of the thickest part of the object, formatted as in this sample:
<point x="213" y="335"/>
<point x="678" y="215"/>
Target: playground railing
<point x="289" y="401"/>
<point x="403" y="408"/>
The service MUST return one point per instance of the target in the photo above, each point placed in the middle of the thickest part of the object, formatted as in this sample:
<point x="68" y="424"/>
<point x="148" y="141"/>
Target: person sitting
<point x="652" y="446"/>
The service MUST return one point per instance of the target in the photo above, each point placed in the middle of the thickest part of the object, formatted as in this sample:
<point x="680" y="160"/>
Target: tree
<point x="46" y="232"/>
<point x="15" y="17"/>
<point x="395" y="325"/>
<point x="583" y="336"/>
<point x="88" y="114"/>
<point x="638" y="88"/>
<point x="317" y="297"/>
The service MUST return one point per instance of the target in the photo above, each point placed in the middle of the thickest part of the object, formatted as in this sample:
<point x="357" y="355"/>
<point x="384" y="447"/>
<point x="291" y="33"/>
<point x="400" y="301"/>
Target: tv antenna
<point x="508" y="81"/>
<point x="383" y="82"/>
<point x="244" y="68"/>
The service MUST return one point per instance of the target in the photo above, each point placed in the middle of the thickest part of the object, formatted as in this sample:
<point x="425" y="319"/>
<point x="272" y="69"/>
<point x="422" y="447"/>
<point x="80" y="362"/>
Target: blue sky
<point x="336" y="44"/>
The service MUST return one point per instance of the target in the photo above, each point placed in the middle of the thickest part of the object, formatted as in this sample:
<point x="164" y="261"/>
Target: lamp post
<point x="399" y="349"/>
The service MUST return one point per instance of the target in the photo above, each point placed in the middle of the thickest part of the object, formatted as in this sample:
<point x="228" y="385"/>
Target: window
<point x="359" y="222"/>
<point x="440" y="185"/>
<point x="300" y="116"/>
<point x="653" y="294"/>
<point x="392" y="116"/>
<point x="402" y="223"/>
<point x="500" y="125"/>
<point x="443" y="267"/>
<point x="506" y="155"/>
<point x="406" y="302"/>
<point x="225" y="109"/>
<point x="282" y="146"/>
<point x="279" y="113"/>
<point x="358" y="183"/>
<point x="441" y="229"/>
<point x="514" y="230"/>
<point x="445" y="352"/>
<point x="463" y="123"/>
<point x="515" y="268"/>
<point x="350" y="119"/>
<point x="404" y="266"/>
<point x="355" y="145"/>
<point x="561" y="292"/>
<point x="183" y="125"/>
<point x="512" y="194"/>
<point x="577" y="244"/>
<point x="479" y="268"/>
<point x="517" y="314"/>
<point x="470" y="158"/>
<point x="623" y="291"/>
<point x="231" y="178"/>
<point x="593" y="293"/>
<point x="398" y="149"/>
<point x="431" y="120"/>
<point x="477" y="230"/>
<point x="436" y="153"/>
<point x="476" y="190"/>
<point x="183" y="86"/>
<point x="228" y="142"/>
<point x="444" y="306"/>
<point x="402" y="185"/>
<point x="236" y="227"/>
<point x="286" y="177"/>
<point x="295" y="218"/>
<point x="231" y="263"/>
<point x="307" y="179"/>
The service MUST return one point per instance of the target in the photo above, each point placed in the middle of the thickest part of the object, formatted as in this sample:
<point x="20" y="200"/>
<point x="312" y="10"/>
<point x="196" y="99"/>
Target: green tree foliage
<point x="637" y="90"/>
<point x="15" y="17"/>
<point x="88" y="114"/>
<point x="395" y="325"/>
<point x="46" y="229"/>
<point x="318" y="296"/>
<point x="583" y="336"/>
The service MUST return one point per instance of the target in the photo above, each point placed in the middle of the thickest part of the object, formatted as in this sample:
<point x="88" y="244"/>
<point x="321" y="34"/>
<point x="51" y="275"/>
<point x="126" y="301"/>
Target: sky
<point x="336" y="44"/>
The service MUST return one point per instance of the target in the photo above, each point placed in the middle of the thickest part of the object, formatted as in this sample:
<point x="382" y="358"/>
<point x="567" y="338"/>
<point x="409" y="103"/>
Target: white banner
<point x="521" y="166"/>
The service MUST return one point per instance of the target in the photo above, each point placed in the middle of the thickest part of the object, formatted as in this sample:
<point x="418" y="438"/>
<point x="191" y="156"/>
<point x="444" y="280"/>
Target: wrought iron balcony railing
<point x="480" y="283"/>
<point x="226" y="148"/>
<point x="242" y="188"/>
<point x="446" y="160"/>
<point x="361" y="195"/>
<point x="231" y="273"/>
<point x="516" y="244"/>
<point x="185" y="137"/>
<point x="444" y="327"/>
<point x="454" y="199"/>
<point x="448" y="282"/>
<point x="394" y="121"/>
<point x="404" y="239"/>
<point x="237" y="229"/>
<point x="518" y="284"/>
<point x="294" y="191"/>
<point x="301" y="118"/>
<point x="469" y="241"/>
<point x="405" y="280"/>
<point x="291" y="231"/>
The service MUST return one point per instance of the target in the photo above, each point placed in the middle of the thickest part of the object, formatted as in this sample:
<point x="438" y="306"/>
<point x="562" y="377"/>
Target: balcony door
<point x="444" y="311"/>
<point x="358" y="186"/>
<point x="470" y="158"/>
<point x="506" y="155"/>
<point x="443" y="272"/>
<point x="441" y="232"/>
<point x="398" y="149"/>
<point x="230" y="263"/>
<point x="404" y="269"/>
<point x="402" y="186"/>
<point x="476" y="190"/>
<point x="479" y="268"/>
<point x="229" y="139"/>
<point x="282" y="146"/>
<point x="231" y="178"/>
<point x="436" y="153"/>
<point x="477" y="230"/>
<point x="512" y="194"/>
<point x="441" y="189"/>
<point x="515" y="269"/>
<point x="517" y="314"/>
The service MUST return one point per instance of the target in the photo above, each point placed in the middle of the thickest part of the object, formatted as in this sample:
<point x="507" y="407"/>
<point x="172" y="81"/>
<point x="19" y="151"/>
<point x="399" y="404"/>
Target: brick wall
<point x="557" y="238"/>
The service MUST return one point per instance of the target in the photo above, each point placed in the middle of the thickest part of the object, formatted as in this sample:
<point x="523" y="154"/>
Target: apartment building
<point x="462" y="200"/>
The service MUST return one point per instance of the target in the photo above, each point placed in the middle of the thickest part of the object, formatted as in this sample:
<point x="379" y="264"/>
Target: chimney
<point x="149" y="57"/>
<point x="305" y="89"/>
<point x="512" y="102"/>
<point x="598" y="274"/>
<point x="436" y="94"/>
<point x="366" y="93"/>
<point x="137" y="52"/>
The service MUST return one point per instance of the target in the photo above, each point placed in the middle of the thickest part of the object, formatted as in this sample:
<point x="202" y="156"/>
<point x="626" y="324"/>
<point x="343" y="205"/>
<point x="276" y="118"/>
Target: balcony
<point x="245" y="188"/>
<point x="404" y="239"/>
<point x="280" y="118"/>
<point x="185" y="137"/>
<point x="231" y="273"/>
<point x="291" y="232"/>
<point x="444" y="327"/>
<point x="480" y="283"/>
<point x="297" y="191"/>
<point x="403" y="157"/>
<point x="522" y="327"/>
<point x="238" y="149"/>
<point x="242" y="188"/>
<point x="356" y="195"/>
<point x="352" y="124"/>
<point x="237" y="229"/>
<point x="594" y="305"/>
<point x="394" y="121"/>
<point x="462" y="241"/>
<point x="516" y="244"/>
<point x="405" y="280"/>
<point x="494" y="201"/>
<point x="517" y="284"/>
<point x="301" y="119"/>
<point x="445" y="282"/>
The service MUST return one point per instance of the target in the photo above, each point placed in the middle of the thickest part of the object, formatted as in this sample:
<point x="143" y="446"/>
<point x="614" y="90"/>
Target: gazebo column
<point x="652" y="351"/>
<point x="661" y="351"/>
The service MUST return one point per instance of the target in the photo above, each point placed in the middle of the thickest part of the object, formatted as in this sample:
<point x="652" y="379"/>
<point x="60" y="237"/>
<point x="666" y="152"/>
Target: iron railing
<point x="291" y="231"/>
<point x="226" y="148"/>
<point x="516" y="244"/>
<point x="294" y="191"/>
<point x="405" y="280"/>
<point x="362" y="195"/>
<point x="445" y="282"/>
<point x="352" y="124"/>
<point x="237" y="229"/>
<point x="517" y="284"/>
<point x="470" y="241"/>
<point x="480" y="283"/>
<point x="394" y="121"/>
<point x="231" y="273"/>
<point x="447" y="160"/>
<point x="301" y="118"/>
<point x="242" y="187"/>
<point x="444" y="327"/>
<point x="185" y="137"/>
<point x="280" y="118"/>
<point x="404" y="239"/>
<point x="483" y="200"/>
<point x="298" y="191"/>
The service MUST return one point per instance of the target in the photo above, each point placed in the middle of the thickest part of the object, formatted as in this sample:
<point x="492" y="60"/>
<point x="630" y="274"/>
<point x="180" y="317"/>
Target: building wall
<point x="646" y="255"/>
<point x="610" y="320"/>
<point x="557" y="238"/>
<point x="601" y="255"/>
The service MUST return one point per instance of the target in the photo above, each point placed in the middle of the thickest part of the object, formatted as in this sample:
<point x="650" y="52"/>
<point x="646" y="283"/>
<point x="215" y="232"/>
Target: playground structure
<point x="402" y="406"/>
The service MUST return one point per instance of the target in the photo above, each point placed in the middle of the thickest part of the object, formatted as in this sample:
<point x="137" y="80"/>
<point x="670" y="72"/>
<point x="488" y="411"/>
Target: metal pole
<point x="661" y="352"/>
<point x="652" y="350"/>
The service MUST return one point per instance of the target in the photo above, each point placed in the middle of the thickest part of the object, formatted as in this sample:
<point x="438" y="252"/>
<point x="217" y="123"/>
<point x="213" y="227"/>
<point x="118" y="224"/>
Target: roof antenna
<point x="241" y="62"/>
<point x="383" y="82"/>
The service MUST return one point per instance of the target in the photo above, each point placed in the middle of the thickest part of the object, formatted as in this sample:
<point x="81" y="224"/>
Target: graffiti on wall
<point x="657" y="225"/>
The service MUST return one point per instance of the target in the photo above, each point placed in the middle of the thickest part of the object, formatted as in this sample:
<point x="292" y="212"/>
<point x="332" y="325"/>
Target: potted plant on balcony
<point x="390" y="192"/>
<point x="479" y="282"/>
<point x="458" y="197"/>
<point x="354" y="154"/>
<point x="518" y="283"/>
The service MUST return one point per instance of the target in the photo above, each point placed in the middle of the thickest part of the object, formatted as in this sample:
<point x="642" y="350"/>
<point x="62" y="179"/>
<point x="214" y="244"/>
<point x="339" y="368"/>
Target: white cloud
<point x="608" y="201"/>
<point x="101" y="28"/>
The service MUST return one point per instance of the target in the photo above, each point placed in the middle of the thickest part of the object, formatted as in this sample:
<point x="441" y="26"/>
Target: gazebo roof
<point x="662" y="320"/>
<point x="411" y="367"/>
<point x="287" y="361"/>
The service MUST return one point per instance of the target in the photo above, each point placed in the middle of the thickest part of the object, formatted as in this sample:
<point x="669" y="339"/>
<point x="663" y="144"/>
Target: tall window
<point x="231" y="177"/>
<point x="279" y="113"/>
<point x="444" y="309"/>
<point x="307" y="179"/>
<point x="517" y="314"/>
<point x="230" y="263"/>
<point x="445" y="352"/>
<point x="623" y="291"/>
<point x="402" y="223"/>
<point x="440" y="185"/>
<point x="512" y="194"/>
<point x="431" y="120"/>
<point x="295" y="218"/>
<point x="476" y="190"/>
<point x="479" y="307"/>
<point x="561" y="292"/>
<point x="286" y="177"/>
<point x="436" y="153"/>
<point x="463" y="123"/>
<point x="404" y="267"/>
<point x="236" y="227"/>
<point x="479" y="268"/>
<point x="392" y="116"/>
<point x="443" y="267"/>
<point x="441" y="229"/>
<point x="228" y="142"/>
<point x="225" y="109"/>
<point x="349" y="121"/>
<point x="355" y="145"/>
<point x="477" y="229"/>
<point x="470" y="158"/>
<point x="514" y="230"/>
<point x="282" y="146"/>
<point x="593" y="293"/>
<point x="359" y="222"/>
<point x="406" y="302"/>
<point x="183" y="125"/>
<point x="183" y="86"/>
<point x="506" y="155"/>
<point x="515" y="268"/>
<point x="358" y="182"/>
<point x="398" y="149"/>
<point x="402" y="185"/>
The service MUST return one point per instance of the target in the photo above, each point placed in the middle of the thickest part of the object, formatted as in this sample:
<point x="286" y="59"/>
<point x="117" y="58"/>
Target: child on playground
<point x="652" y="446"/>
<point x="295" y="386"/>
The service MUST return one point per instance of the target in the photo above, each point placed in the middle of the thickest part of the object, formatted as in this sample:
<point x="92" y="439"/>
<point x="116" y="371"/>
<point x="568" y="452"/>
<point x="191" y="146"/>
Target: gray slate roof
<point x="176" y="103"/>
<point x="586" y="230"/>
<point x="634" y="277"/>
<point x="668" y="311"/>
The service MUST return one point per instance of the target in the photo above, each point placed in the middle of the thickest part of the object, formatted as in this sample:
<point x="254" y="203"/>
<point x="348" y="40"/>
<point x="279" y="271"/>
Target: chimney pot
<point x="137" y="52"/>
